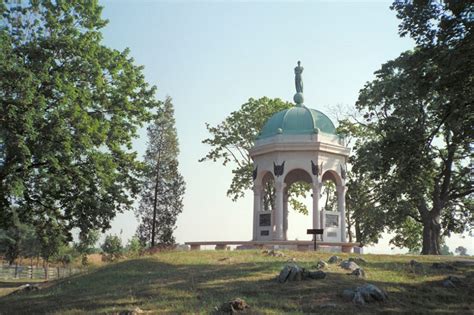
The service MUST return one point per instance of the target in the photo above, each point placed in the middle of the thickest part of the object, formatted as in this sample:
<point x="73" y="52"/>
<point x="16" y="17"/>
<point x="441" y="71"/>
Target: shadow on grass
<point x="182" y="288"/>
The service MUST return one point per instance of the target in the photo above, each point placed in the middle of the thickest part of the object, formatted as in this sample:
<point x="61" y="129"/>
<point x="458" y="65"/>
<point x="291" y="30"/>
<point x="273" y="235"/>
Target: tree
<point x="134" y="247"/>
<point x="418" y="139"/>
<point x="69" y="110"/>
<point x="461" y="250"/>
<point x="231" y="141"/>
<point x="161" y="200"/>
<point x="18" y="240"/>
<point x="112" y="247"/>
<point x="86" y="244"/>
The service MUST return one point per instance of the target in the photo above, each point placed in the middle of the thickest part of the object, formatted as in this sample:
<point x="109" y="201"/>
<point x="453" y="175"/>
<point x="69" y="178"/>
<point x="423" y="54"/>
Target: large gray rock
<point x="321" y="264"/>
<point x="315" y="274"/>
<point x="365" y="294"/>
<point x="284" y="273"/>
<point x="349" y="265"/>
<point x="359" y="273"/>
<point x="334" y="259"/>
<point x="358" y="260"/>
<point x="296" y="274"/>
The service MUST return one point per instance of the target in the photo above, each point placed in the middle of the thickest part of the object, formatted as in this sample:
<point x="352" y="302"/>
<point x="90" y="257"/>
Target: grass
<point x="197" y="282"/>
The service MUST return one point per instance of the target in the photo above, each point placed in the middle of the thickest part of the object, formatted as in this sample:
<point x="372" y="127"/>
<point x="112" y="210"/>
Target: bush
<point x="112" y="247"/>
<point x="134" y="247"/>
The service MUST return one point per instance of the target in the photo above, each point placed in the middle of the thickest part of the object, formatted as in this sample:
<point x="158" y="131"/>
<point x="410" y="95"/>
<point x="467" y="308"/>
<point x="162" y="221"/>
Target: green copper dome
<point x="298" y="120"/>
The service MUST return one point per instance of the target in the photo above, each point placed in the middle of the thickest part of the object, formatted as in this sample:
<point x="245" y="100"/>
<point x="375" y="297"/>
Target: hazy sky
<point x="211" y="56"/>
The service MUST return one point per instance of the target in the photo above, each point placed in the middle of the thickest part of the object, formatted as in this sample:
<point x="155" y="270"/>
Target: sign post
<point x="315" y="232"/>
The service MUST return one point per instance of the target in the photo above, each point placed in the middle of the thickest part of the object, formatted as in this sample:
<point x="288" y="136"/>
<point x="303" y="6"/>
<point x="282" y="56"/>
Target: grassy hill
<point x="198" y="282"/>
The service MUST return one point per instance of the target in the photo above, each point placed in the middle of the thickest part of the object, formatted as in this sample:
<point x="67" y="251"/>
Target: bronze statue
<point x="298" y="78"/>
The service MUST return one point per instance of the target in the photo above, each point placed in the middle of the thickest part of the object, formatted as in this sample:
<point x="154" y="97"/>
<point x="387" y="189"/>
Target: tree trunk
<point x="431" y="236"/>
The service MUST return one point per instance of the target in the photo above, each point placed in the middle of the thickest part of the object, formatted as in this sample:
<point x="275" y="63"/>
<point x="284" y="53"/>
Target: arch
<point x="333" y="176"/>
<point x="297" y="175"/>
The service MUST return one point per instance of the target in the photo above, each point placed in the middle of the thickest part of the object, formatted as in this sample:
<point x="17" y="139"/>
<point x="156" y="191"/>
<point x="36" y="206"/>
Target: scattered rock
<point x="452" y="282"/>
<point x="296" y="274"/>
<point x="315" y="274"/>
<point x="328" y="305"/>
<point x="442" y="266"/>
<point x="349" y="265"/>
<point x="359" y="273"/>
<point x="224" y="259"/>
<point x="273" y="253"/>
<point x="284" y="273"/>
<point x="365" y="294"/>
<point x="234" y="306"/>
<point x="358" y="260"/>
<point x="334" y="259"/>
<point x="291" y="260"/>
<point x="348" y="294"/>
<point x="321" y="264"/>
<point x="293" y="272"/>
<point x="28" y="288"/>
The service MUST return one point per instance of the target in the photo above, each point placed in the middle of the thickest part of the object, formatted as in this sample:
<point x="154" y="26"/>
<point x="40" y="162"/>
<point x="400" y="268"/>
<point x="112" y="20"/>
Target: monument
<point x="298" y="144"/>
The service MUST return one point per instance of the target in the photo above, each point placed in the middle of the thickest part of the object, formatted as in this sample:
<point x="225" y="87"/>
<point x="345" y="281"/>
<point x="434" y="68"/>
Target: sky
<point x="212" y="56"/>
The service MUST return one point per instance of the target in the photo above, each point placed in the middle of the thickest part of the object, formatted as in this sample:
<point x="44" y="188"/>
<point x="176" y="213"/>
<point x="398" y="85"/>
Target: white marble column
<point x="316" y="215"/>
<point x="257" y="203"/>
<point x="285" y="215"/>
<point x="279" y="189"/>
<point x="341" y="207"/>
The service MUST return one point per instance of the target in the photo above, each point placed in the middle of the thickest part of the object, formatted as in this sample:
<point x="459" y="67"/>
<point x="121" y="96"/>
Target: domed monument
<point x="298" y="144"/>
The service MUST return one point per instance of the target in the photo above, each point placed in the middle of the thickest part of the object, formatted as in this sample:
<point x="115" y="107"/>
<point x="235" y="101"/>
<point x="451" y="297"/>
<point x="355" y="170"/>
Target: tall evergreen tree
<point x="163" y="188"/>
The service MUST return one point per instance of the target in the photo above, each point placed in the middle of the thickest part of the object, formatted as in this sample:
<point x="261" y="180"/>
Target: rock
<point x="328" y="305"/>
<point x="348" y="294"/>
<point x="359" y="273"/>
<point x="296" y="274"/>
<point x="349" y="265"/>
<point x="370" y="291"/>
<point x="234" y="306"/>
<point x="284" y="273"/>
<point x="316" y="274"/>
<point x="291" y="260"/>
<point x="358" y="298"/>
<point x="365" y="294"/>
<point x="448" y="284"/>
<point x="334" y="259"/>
<point x="442" y="266"/>
<point x="28" y="288"/>
<point x="452" y="282"/>
<point x="358" y="260"/>
<point x="273" y="253"/>
<point x="321" y="264"/>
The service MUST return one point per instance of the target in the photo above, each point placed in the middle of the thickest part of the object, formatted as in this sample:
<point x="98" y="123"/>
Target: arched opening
<point x="297" y="204"/>
<point x="331" y="218"/>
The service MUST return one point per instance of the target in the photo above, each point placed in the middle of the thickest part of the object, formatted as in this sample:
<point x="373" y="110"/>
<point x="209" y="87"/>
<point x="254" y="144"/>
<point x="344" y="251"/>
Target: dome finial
<point x="298" y="98"/>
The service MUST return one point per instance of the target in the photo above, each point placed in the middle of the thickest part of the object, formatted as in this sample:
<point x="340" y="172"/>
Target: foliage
<point x="86" y="244"/>
<point x="461" y="250"/>
<point x="408" y="235"/>
<point x="18" y="240"/>
<point x="161" y="200"/>
<point x="112" y="247"/>
<point x="69" y="110"/>
<point x="417" y="136"/>
<point x="134" y="247"/>
<point x="231" y="141"/>
<point x="444" y="250"/>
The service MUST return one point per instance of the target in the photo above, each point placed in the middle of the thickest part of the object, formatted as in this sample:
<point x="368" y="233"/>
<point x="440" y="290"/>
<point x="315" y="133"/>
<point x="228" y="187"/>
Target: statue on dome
<point x="298" y="78"/>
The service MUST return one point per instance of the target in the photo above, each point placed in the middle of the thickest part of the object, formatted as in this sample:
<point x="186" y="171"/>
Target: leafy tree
<point x="461" y="250"/>
<point x="418" y="136"/>
<point x="112" y="247"/>
<point x="162" y="195"/>
<point x="69" y="109"/>
<point x="231" y="141"/>
<point x="408" y="235"/>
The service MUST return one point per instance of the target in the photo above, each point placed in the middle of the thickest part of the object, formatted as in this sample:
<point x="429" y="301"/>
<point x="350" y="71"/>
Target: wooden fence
<point x="9" y="272"/>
